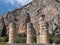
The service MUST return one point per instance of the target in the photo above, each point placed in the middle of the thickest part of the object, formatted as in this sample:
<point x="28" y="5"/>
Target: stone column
<point x="43" y="31"/>
<point x="29" y="33"/>
<point x="38" y="37"/>
<point x="11" y="33"/>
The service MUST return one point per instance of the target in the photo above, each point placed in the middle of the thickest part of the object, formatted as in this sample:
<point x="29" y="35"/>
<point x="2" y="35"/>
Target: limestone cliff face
<point x="31" y="12"/>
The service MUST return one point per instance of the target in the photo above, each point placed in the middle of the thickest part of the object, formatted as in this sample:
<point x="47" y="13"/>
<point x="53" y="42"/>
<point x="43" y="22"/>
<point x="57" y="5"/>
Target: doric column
<point x="38" y="34"/>
<point x="12" y="33"/>
<point x="29" y="33"/>
<point x="43" y="31"/>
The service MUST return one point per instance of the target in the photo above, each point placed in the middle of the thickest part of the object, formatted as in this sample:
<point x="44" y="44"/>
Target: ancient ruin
<point x="50" y="8"/>
<point x="11" y="33"/>
<point x="38" y="39"/>
<point x="44" y="35"/>
<point x="32" y="12"/>
<point x="29" y="33"/>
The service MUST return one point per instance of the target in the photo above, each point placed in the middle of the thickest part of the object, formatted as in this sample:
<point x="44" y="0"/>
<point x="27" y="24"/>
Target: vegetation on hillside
<point x="21" y="38"/>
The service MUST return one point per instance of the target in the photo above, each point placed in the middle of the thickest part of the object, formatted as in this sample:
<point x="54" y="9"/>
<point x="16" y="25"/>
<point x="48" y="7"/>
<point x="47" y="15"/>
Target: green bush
<point x="34" y="38"/>
<point x="20" y="38"/>
<point x="2" y="43"/>
<point x="55" y="39"/>
<point x="4" y="39"/>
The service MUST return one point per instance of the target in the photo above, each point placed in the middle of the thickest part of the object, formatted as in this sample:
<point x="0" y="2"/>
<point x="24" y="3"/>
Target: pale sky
<point x="8" y="5"/>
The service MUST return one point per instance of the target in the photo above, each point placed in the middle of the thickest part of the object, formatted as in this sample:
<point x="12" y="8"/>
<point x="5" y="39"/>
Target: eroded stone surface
<point x="50" y="8"/>
<point x="29" y="33"/>
<point x="44" y="34"/>
<point x="11" y="33"/>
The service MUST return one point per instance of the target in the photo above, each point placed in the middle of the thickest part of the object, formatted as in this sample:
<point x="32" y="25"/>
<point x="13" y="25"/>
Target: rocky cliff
<point x="31" y="13"/>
